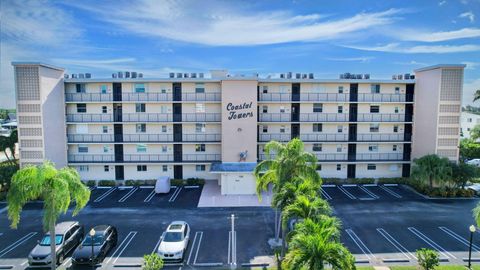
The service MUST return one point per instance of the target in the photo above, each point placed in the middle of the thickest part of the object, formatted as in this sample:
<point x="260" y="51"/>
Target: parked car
<point x="475" y="162"/>
<point x="68" y="235"/>
<point x="103" y="241"/>
<point x="475" y="188"/>
<point x="174" y="241"/>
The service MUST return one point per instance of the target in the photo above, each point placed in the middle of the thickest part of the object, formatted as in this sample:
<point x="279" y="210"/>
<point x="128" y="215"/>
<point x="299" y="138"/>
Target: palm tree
<point x="306" y="208"/>
<point x="431" y="168"/>
<point x="315" y="245"/>
<point x="476" y="95"/>
<point x="475" y="133"/>
<point x="8" y="143"/>
<point x="57" y="188"/>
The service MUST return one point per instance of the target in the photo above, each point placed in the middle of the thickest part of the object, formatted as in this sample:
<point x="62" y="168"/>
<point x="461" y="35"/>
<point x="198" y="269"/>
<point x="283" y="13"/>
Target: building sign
<point x="240" y="111"/>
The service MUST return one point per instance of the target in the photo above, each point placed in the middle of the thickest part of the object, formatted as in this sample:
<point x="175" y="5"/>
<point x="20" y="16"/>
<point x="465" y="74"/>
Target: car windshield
<point x="46" y="240"/>
<point x="173" y="237"/>
<point x="97" y="240"/>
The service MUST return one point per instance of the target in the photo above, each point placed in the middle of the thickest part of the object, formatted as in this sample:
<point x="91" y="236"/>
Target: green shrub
<point x="393" y="180"/>
<point x="135" y="183"/>
<point x="363" y="181"/>
<point x="333" y="181"/>
<point x="7" y="170"/>
<point x="195" y="181"/>
<point x="177" y="182"/>
<point x="150" y="182"/>
<point x="427" y="258"/>
<point x="91" y="183"/>
<point x="152" y="262"/>
<point x="107" y="183"/>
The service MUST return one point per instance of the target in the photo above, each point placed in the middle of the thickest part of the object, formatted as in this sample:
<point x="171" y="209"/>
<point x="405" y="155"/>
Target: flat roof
<point x="440" y="66"/>
<point x="260" y="80"/>
<point x="28" y="63"/>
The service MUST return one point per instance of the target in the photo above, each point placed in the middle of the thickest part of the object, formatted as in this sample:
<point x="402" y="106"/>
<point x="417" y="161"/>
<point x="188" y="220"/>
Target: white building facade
<point x="468" y="121"/>
<point x="215" y="128"/>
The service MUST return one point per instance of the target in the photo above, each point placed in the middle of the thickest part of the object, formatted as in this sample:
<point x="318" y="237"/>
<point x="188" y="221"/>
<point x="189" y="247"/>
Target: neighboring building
<point x="468" y="122"/>
<point x="216" y="128"/>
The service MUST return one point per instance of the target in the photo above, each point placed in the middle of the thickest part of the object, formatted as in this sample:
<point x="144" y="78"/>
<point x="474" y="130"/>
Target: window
<point x="319" y="167"/>
<point x="340" y="89"/>
<point x="164" y="148"/>
<point x="374" y="127"/>
<point x="339" y="148"/>
<point x="83" y="168"/>
<point x="317" y="107"/>
<point x="200" y="168"/>
<point x="373" y="148"/>
<point x="200" y="108"/>
<point x="105" y="129"/>
<point x="139" y="107"/>
<point x="375" y="88"/>
<point x="282" y="129"/>
<point x="80" y="87"/>
<point x="163" y="91"/>
<point x="265" y="129"/>
<point x="264" y="89"/>
<point x="106" y="168"/>
<point x="282" y="109"/>
<point x="106" y="148"/>
<point x="199" y="88"/>
<point x="141" y="128"/>
<point x="317" y="147"/>
<point x="141" y="148"/>
<point x="82" y="149"/>
<point x="141" y="168"/>
<point x="394" y="148"/>
<point x="164" y="168"/>
<point x="469" y="120"/>
<point x="317" y="127"/>
<point x="104" y="109"/>
<point x="374" y="109"/>
<point x="395" y="128"/>
<point x="339" y="167"/>
<point x="340" y="109"/>
<point x="164" y="129"/>
<point x="396" y="110"/>
<point x="139" y="88"/>
<point x="199" y="147"/>
<point x="200" y="127"/>
<point x="397" y="90"/>
<point x="371" y="167"/>
<point x="81" y="108"/>
<point x="339" y="129"/>
<point x="265" y="109"/>
<point x="103" y="88"/>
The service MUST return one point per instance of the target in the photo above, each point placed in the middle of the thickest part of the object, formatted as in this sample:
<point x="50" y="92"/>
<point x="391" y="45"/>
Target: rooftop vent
<point x="179" y="75"/>
<point x="304" y="76"/>
<point x="114" y="75"/>
<point x="200" y="75"/>
<point x="81" y="76"/>
<point x="400" y="77"/>
<point x="366" y="76"/>
<point x="134" y="75"/>
<point x="406" y="76"/>
<point x="193" y="75"/>
<point x="282" y="76"/>
<point x="310" y="75"/>
<point x="185" y="75"/>
<point x="74" y="76"/>
<point x="127" y="74"/>
<point x="171" y="75"/>
<point x="120" y="75"/>
<point x="88" y="75"/>
<point x="298" y="75"/>
<point x="140" y="75"/>
<point x="289" y="75"/>
<point x="65" y="76"/>
<point x="412" y="77"/>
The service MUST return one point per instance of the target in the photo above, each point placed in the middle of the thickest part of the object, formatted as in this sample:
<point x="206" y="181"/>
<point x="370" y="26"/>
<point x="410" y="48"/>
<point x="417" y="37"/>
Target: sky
<point x="266" y="37"/>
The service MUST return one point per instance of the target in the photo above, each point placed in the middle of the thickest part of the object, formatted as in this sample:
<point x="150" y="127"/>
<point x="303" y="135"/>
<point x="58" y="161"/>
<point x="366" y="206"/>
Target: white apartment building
<point x="468" y="121"/>
<point x="188" y="125"/>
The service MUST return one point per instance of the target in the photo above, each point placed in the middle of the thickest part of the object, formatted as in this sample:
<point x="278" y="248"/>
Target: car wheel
<point x="60" y="259"/>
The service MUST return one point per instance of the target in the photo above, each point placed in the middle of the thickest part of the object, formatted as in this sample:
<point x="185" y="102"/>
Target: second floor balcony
<point x="89" y="158"/>
<point x="146" y="117"/>
<point x="324" y="137"/>
<point x="379" y="157"/>
<point x="88" y="97"/>
<point x="201" y="137"/>
<point x="382" y="117"/>
<point x="89" y="138"/>
<point x="89" y="117"/>
<point x="383" y="137"/>
<point x="280" y="137"/>
<point x="323" y="117"/>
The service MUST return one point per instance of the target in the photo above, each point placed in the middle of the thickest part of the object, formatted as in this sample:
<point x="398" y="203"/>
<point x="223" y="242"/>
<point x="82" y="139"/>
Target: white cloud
<point x="469" y="15"/>
<point x="471" y="65"/>
<point x="437" y="49"/>
<point x="363" y="59"/>
<point x="223" y="24"/>
<point x="469" y="89"/>
<point x="440" y="36"/>
<point x="412" y="63"/>
<point x="441" y="3"/>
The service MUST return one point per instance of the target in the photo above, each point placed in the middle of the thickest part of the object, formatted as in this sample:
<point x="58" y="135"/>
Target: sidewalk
<point x="211" y="197"/>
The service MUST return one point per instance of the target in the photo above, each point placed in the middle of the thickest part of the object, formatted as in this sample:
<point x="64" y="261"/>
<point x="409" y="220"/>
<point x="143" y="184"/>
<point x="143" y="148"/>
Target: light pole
<point x="472" y="231"/>
<point x="92" y="234"/>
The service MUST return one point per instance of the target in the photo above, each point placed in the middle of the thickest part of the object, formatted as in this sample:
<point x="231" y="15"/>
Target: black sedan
<point x="104" y="239"/>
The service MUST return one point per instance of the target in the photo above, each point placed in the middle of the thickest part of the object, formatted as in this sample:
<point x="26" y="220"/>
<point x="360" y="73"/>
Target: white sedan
<point x="174" y="241"/>
<point x="475" y="162"/>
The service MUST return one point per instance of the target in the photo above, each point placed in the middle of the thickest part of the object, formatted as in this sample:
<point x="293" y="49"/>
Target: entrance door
<point x="177" y="92"/>
<point x="117" y="92"/>
<point x="177" y="172"/>
<point x="295" y="131"/>
<point x="352" y="132"/>
<point x="118" y="132"/>
<point x="353" y="112"/>
<point x="117" y="113"/>
<point x="118" y="152"/>
<point x="352" y="152"/>
<point x="410" y="92"/>
<point x="177" y="153"/>
<point x="177" y="132"/>
<point x="407" y="149"/>
<point x="295" y="92"/>
<point x="119" y="173"/>
<point x="351" y="171"/>
<point x="295" y="112"/>
<point x="177" y="112"/>
<point x="407" y="136"/>
<point x="406" y="170"/>
<point x="408" y="112"/>
<point x="354" y="92"/>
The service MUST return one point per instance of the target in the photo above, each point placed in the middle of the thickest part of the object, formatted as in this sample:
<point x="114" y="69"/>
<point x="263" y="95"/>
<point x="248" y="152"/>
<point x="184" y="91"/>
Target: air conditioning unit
<point x="134" y="75"/>
<point x="342" y="76"/>
<point x="81" y="76"/>
<point x="65" y="76"/>
<point x="179" y="75"/>
<point x="140" y="75"/>
<point x="289" y="75"/>
<point x="400" y="77"/>
<point x="347" y="75"/>
<point x="304" y="76"/>
<point x="74" y="76"/>
<point x="185" y="75"/>
<point x="88" y="75"/>
<point x="114" y="75"/>
<point x="406" y="76"/>
<point x="298" y="76"/>
<point x="172" y="75"/>
<point x="200" y="75"/>
<point x="359" y="76"/>
<point x="394" y="77"/>
<point x="310" y="75"/>
<point x="120" y="75"/>
<point x="412" y="77"/>
<point x="127" y="74"/>
<point x="282" y="76"/>
<point x="193" y="75"/>
<point x="366" y="76"/>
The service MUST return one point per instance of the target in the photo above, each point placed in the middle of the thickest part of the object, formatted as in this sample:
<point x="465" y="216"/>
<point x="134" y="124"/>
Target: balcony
<point x="381" y="117"/>
<point x="274" y="117"/>
<point x="83" y="158"/>
<point x="384" y="97"/>
<point x="378" y="137"/>
<point x="147" y="137"/>
<point x="324" y="137"/>
<point x="91" y="138"/>
<point x="146" y="97"/>
<point x="280" y="137"/>
<point x="324" y="97"/>
<point x="201" y="117"/>
<point x="201" y="157"/>
<point x="275" y="97"/>
<point x="199" y="137"/>
<point x="201" y="97"/>
<point x="323" y="117"/>
<point x="88" y="117"/>
<point x="147" y="117"/>
<point x="379" y="156"/>
<point x="147" y="158"/>
<point x="88" y="97"/>
<point x="331" y="157"/>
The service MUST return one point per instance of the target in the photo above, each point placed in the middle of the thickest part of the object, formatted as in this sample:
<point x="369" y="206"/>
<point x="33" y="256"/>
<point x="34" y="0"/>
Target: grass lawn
<point x="441" y="267"/>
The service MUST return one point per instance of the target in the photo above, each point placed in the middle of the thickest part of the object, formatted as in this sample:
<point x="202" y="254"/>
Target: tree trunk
<point x="279" y="222"/>
<point x="52" y="245"/>
<point x="284" y="242"/>
<point x="431" y="182"/>
<point x="276" y="225"/>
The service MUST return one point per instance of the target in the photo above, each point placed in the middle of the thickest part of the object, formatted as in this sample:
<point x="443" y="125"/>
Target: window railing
<point x="147" y="117"/>
<point x="331" y="157"/>
<point x="201" y="117"/>
<point x="90" y="158"/>
<point x="324" y="137"/>
<point x="368" y="97"/>
<point x="202" y="157"/>
<point x="147" y="137"/>
<point x="274" y="117"/>
<point x="379" y="156"/>
<point x="88" y="117"/>
<point x="324" y="97"/>
<point x="323" y="117"/>
<point x="275" y="97"/>
<point x="201" y="137"/>
<point x="87" y="97"/>
<point x="381" y="117"/>
<point x="201" y="97"/>
<point x="281" y="137"/>
<point x="80" y="138"/>
<point x="146" y="97"/>
<point x="147" y="157"/>
<point x="378" y="137"/>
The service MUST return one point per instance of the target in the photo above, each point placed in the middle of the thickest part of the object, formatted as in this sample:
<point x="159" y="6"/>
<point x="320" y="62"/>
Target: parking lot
<point x="382" y="225"/>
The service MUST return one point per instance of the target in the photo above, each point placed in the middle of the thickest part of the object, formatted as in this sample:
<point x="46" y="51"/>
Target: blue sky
<point x="156" y="37"/>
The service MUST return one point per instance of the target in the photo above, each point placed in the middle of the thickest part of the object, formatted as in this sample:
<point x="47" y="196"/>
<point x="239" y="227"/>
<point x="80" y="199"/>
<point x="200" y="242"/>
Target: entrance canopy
<point x="233" y="167"/>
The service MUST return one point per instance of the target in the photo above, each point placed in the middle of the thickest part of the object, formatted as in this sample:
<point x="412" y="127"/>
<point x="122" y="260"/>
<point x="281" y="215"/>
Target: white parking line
<point x="396" y="244"/>
<point x="175" y="194"/>
<point x="193" y="247"/>
<point x="104" y="195"/>
<point x="125" y="241"/>
<point x="391" y="192"/>
<point x="198" y="248"/>
<point x="325" y="194"/>
<point x="349" y="195"/>
<point x="1" y="234"/>
<point x="66" y="262"/>
<point x="431" y="243"/>
<point x="150" y="196"/>
<point x="391" y="185"/>
<point x="17" y="243"/>
<point x="371" y="194"/>
<point x="130" y="193"/>
<point x="229" y="246"/>
<point x="459" y="238"/>
<point x="360" y="244"/>
<point x="157" y="244"/>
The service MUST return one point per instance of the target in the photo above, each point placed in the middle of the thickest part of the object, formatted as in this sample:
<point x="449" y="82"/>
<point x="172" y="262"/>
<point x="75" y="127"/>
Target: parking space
<point x="368" y="192"/>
